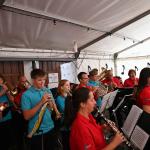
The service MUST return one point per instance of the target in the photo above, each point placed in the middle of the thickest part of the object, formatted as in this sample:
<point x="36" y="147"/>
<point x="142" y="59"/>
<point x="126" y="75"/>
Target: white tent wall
<point x="94" y="63"/>
<point x="27" y="69"/>
<point x="140" y="62"/>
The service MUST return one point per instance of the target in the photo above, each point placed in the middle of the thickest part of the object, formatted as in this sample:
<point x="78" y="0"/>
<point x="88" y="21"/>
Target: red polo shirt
<point x="144" y="96"/>
<point x="86" y="134"/>
<point x="114" y="80"/>
<point x="86" y="86"/>
<point x="130" y="82"/>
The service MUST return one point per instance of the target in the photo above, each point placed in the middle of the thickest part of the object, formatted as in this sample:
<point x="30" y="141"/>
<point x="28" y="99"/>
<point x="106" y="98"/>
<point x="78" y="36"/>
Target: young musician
<point x="93" y="81"/>
<point x="32" y="102"/>
<point x="86" y="134"/>
<point x="132" y="80"/>
<point x="143" y="90"/>
<point x="5" y="119"/>
<point x="63" y="89"/>
<point x="63" y="92"/>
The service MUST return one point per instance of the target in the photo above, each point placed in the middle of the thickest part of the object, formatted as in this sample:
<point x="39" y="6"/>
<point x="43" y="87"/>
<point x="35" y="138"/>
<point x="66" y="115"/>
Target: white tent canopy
<point x="53" y="25"/>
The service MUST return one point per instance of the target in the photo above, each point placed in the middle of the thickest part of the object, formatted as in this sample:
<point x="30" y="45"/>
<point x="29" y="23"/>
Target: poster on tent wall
<point x="68" y="71"/>
<point x="53" y="80"/>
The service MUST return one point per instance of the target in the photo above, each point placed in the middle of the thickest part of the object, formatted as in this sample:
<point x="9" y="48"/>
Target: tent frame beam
<point x="47" y="16"/>
<point x="112" y="31"/>
<point x="141" y="42"/>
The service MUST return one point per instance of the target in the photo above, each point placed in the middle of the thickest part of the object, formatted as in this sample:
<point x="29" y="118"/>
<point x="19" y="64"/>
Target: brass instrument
<point x="27" y="84"/>
<point x="101" y="90"/>
<point x="51" y="105"/>
<point x="102" y="75"/>
<point x="13" y="92"/>
<point x="4" y="108"/>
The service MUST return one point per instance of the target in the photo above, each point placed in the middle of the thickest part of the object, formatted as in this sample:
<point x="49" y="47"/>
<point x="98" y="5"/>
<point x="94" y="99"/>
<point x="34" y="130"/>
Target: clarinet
<point x="113" y="127"/>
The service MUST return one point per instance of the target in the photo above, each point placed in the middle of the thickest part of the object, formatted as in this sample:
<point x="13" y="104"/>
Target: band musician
<point x="32" y="103"/>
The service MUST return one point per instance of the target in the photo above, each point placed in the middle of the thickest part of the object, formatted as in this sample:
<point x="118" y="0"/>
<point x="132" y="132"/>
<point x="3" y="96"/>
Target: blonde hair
<point x="61" y="83"/>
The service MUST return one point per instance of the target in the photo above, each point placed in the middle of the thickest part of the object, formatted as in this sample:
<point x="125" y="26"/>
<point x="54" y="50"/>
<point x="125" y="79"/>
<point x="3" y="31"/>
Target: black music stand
<point x="122" y="109"/>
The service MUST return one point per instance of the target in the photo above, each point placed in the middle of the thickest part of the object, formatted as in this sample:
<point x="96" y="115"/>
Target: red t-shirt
<point x="114" y="80"/>
<point x="130" y="82"/>
<point x="17" y="98"/>
<point x="86" y="86"/>
<point x="86" y="134"/>
<point x="144" y="97"/>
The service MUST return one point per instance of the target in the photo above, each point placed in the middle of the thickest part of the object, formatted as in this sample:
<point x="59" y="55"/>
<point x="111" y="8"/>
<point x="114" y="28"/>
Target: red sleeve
<point x="145" y="96"/>
<point x="81" y="139"/>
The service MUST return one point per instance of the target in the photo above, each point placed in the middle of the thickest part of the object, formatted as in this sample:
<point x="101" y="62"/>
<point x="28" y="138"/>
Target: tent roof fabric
<point x="56" y="25"/>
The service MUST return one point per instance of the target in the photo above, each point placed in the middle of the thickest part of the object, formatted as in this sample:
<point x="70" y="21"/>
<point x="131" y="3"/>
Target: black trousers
<point x="47" y="141"/>
<point x="5" y="135"/>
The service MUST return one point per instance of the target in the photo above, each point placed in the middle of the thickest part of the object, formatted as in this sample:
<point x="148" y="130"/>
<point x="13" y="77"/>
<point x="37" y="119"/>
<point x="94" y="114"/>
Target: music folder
<point x="133" y="130"/>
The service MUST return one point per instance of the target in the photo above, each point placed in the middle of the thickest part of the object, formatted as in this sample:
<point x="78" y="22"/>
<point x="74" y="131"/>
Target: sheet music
<point x="139" y="137"/>
<point x="112" y="97"/>
<point x="104" y="102"/>
<point x="131" y="120"/>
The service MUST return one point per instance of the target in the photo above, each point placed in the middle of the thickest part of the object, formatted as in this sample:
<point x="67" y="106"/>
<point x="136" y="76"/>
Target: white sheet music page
<point x="131" y="120"/>
<point x="139" y="137"/>
<point x="112" y="97"/>
<point x="104" y="102"/>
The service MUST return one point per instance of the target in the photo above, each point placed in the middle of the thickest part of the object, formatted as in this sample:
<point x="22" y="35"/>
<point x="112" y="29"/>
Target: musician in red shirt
<point x="132" y="80"/>
<point x="19" y="123"/>
<point x="143" y="90"/>
<point x="111" y="82"/>
<point x="83" y="79"/>
<point x="86" y="134"/>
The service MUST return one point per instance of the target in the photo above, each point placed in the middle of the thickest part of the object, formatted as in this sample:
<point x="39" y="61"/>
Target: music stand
<point x="107" y="100"/>
<point x="122" y="102"/>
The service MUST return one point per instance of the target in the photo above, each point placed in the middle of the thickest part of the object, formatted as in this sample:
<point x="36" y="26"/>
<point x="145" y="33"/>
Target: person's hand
<point x="45" y="98"/>
<point x="58" y="115"/>
<point x="118" y="139"/>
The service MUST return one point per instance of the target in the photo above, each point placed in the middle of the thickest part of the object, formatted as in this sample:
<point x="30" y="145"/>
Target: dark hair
<point x="144" y="75"/>
<point x="130" y="71"/>
<point x="72" y="104"/>
<point x="80" y="75"/>
<point x="37" y="73"/>
<point x="93" y="72"/>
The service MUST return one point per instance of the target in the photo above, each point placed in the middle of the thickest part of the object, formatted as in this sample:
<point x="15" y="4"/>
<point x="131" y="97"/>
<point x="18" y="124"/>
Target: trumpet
<point x="51" y="104"/>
